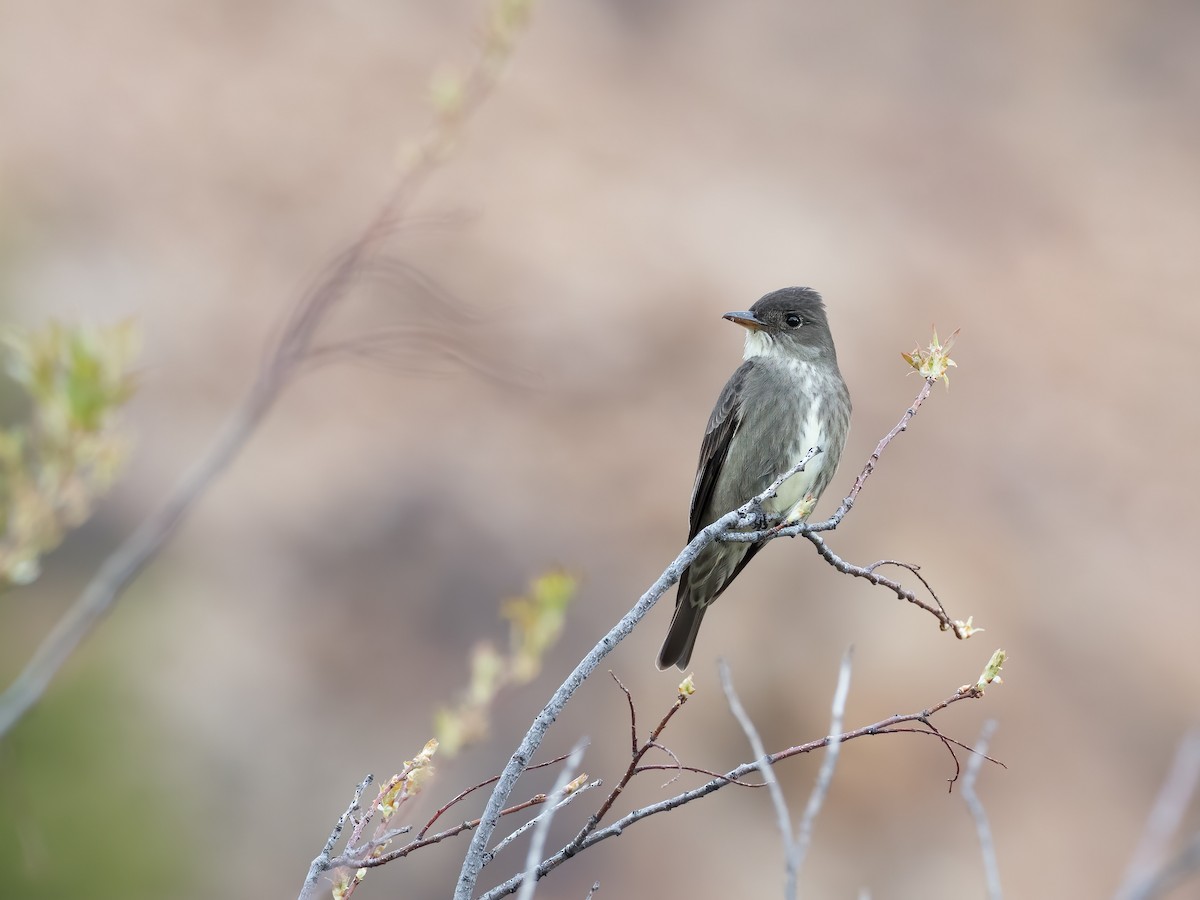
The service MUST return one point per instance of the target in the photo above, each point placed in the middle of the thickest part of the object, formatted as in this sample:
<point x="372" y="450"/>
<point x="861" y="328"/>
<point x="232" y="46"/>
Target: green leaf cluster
<point x="55" y="465"/>
<point x="536" y="622"/>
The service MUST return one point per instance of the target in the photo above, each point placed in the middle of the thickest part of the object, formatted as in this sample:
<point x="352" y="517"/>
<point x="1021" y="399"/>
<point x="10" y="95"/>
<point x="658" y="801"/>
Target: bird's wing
<point x="722" y="425"/>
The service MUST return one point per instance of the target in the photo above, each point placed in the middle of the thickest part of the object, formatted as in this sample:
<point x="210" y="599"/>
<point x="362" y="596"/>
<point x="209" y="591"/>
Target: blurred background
<point x="1029" y="172"/>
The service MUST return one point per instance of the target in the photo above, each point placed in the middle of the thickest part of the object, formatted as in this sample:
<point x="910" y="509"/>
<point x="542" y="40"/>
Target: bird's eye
<point x="793" y="320"/>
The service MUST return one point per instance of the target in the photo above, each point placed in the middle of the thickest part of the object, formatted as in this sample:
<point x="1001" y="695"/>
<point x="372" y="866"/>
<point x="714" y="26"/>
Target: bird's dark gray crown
<point x="774" y="308"/>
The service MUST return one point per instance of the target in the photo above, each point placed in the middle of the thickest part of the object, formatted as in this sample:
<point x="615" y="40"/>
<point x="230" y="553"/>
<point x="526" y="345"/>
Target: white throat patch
<point x="758" y="343"/>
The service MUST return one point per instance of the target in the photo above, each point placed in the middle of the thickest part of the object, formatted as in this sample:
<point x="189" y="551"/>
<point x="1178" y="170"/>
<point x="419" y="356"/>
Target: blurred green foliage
<point x="55" y="465"/>
<point x="535" y="624"/>
<point x="82" y="809"/>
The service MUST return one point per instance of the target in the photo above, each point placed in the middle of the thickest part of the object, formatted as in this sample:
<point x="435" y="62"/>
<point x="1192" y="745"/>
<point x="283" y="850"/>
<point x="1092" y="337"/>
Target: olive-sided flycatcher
<point x="786" y="398"/>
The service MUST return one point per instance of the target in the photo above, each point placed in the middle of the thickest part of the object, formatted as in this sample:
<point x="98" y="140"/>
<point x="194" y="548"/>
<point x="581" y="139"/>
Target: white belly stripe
<point x="796" y="488"/>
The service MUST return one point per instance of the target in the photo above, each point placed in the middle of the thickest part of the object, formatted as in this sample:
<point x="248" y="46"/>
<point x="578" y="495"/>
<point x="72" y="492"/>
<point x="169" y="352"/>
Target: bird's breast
<point x="809" y="434"/>
<point x="802" y="423"/>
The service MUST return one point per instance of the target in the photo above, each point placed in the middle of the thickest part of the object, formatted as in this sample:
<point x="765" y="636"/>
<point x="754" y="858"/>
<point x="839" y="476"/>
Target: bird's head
<point x="789" y="321"/>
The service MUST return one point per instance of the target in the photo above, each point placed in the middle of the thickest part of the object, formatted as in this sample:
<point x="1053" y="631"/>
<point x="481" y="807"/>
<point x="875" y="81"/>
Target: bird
<point x="785" y="399"/>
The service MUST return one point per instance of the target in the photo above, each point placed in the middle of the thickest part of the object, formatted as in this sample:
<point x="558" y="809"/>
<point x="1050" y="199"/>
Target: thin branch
<point x="898" y="589"/>
<point x="783" y="818"/>
<point x="352" y="843"/>
<point x="355" y="852"/>
<point x="731" y="777"/>
<point x="636" y="756"/>
<point x="949" y="743"/>
<point x="352" y="856"/>
<point x="461" y="795"/>
<point x="321" y="865"/>
<point x="286" y="357"/>
<point x="504" y="842"/>
<point x="915" y="569"/>
<point x="750" y="513"/>
<point x="633" y="741"/>
<point x="1174" y="798"/>
<point x="901" y="426"/>
<point x="809" y="531"/>
<point x="538" y="842"/>
<point x="1175" y="872"/>
<point x="680" y="768"/>
<point x="387" y="837"/>
<point x="825" y="776"/>
<point x="987" y="847"/>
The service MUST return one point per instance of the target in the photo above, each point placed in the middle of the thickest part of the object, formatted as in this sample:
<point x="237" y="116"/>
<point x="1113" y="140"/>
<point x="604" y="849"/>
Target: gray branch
<point x="783" y="818"/>
<point x="1142" y="879"/>
<point x="828" y="765"/>
<point x="538" y="842"/>
<point x="320" y="865"/>
<point x="987" y="847"/>
<point x="503" y="843"/>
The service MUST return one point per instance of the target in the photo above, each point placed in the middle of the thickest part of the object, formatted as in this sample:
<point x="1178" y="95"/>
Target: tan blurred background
<point x="1027" y="171"/>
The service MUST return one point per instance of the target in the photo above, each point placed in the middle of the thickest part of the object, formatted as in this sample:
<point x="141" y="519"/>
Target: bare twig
<point x="321" y="863"/>
<point x="461" y="795"/>
<point x="1178" y="789"/>
<point x="359" y="857"/>
<point x="783" y="818"/>
<point x="538" y="842"/>
<point x="949" y="743"/>
<point x="825" y="776"/>
<point x="633" y="740"/>
<point x="750" y="513"/>
<point x="901" y="426"/>
<point x="869" y="573"/>
<point x="504" y="842"/>
<point x="987" y="847"/>
<point x="679" y="769"/>
<point x="637" y="753"/>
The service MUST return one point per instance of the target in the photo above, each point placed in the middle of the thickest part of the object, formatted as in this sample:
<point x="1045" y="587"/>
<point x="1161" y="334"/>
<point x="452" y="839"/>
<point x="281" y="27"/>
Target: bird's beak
<point x="746" y="320"/>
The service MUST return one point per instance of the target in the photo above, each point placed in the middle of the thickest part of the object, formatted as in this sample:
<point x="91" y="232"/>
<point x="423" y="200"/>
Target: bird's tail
<point x="681" y="636"/>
